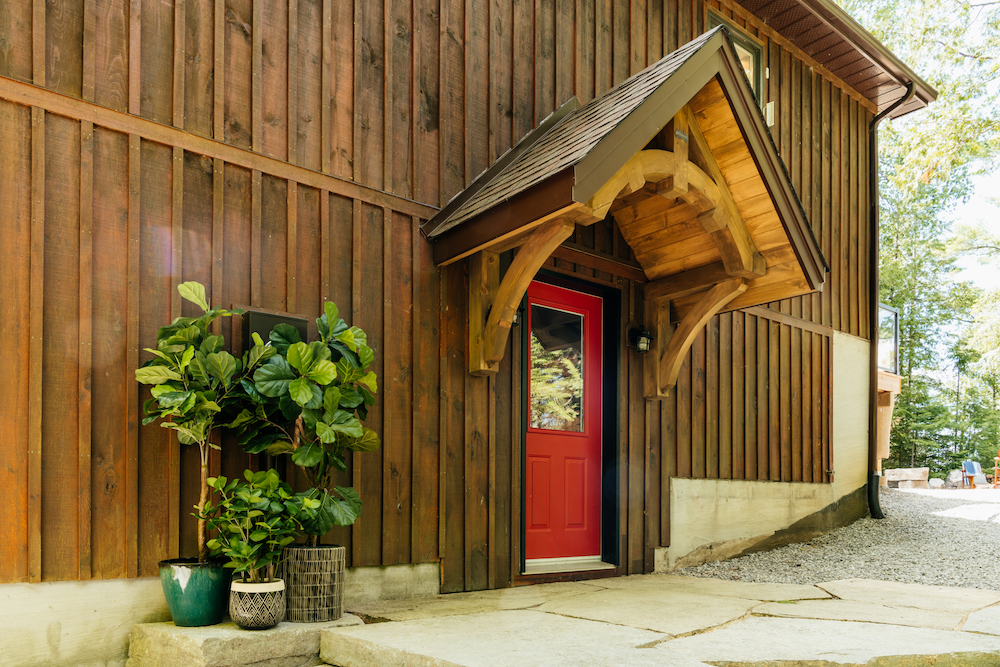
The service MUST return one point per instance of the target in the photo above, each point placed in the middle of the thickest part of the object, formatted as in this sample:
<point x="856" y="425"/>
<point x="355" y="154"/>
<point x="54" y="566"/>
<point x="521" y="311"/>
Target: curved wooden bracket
<point x="670" y="354"/>
<point x="488" y="350"/>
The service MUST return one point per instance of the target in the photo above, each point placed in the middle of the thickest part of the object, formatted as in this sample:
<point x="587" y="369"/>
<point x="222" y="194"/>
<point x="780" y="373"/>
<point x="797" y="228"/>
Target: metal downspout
<point x="873" y="299"/>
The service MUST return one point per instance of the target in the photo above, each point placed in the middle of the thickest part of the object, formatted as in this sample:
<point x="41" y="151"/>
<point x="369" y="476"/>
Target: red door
<point x="563" y="474"/>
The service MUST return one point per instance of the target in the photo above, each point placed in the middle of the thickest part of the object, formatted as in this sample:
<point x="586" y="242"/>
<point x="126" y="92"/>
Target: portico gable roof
<point x="680" y="156"/>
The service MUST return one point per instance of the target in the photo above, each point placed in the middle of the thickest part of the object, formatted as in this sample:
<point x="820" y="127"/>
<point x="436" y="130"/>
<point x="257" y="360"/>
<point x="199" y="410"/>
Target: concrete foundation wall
<point x="715" y="519"/>
<point x="87" y="623"/>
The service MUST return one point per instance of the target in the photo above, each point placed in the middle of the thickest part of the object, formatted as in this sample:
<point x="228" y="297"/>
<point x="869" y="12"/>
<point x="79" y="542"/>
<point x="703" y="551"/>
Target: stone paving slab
<point x="661" y="610"/>
<point x="851" y="610"/>
<point x="984" y="620"/>
<point x="226" y="645"/>
<point x="771" y="641"/>
<point x="520" y="597"/>
<point x="718" y="587"/>
<point x="517" y="638"/>
<point x="895" y="594"/>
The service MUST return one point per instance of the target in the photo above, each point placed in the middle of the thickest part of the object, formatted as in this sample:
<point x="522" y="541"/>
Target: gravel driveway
<point x="943" y="538"/>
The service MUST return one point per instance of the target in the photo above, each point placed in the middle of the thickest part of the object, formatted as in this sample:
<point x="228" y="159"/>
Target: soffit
<point x="827" y="34"/>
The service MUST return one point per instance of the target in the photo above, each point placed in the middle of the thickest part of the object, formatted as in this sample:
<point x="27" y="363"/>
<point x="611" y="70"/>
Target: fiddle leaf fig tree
<point x="310" y="401"/>
<point x="196" y="385"/>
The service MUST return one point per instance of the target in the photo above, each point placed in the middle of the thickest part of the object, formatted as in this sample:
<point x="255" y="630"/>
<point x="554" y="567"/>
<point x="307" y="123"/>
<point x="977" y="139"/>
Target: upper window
<point x="747" y="49"/>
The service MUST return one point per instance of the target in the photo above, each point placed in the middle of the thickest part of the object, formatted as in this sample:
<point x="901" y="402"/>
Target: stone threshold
<point x="225" y="645"/>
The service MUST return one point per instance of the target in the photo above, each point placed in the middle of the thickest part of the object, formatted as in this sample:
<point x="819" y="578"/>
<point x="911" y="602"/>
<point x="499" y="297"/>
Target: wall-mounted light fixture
<point x="640" y="339"/>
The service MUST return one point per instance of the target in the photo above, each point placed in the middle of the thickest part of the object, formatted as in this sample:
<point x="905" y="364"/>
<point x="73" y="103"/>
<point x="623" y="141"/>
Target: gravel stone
<point x="911" y="545"/>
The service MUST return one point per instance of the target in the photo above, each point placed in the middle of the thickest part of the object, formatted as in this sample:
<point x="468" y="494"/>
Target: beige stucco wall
<point x="716" y="519"/>
<point x="87" y="623"/>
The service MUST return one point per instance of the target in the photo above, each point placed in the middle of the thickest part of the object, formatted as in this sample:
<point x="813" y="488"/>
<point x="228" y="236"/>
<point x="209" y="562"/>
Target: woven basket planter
<point x="257" y="606"/>
<point x="314" y="583"/>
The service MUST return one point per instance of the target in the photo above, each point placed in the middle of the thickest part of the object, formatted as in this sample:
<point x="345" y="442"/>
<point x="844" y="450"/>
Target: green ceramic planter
<point x="197" y="593"/>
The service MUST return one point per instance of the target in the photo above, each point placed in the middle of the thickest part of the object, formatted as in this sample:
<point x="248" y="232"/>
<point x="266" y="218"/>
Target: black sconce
<point x="640" y="339"/>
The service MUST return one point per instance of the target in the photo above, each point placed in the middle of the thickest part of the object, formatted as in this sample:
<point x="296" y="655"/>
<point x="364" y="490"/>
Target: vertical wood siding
<point x="283" y="152"/>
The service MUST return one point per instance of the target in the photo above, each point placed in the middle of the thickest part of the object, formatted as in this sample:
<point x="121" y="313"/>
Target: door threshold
<point x="570" y="564"/>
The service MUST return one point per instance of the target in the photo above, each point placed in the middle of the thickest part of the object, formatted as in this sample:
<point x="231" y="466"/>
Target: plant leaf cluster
<point x="256" y="519"/>
<point x="309" y="401"/>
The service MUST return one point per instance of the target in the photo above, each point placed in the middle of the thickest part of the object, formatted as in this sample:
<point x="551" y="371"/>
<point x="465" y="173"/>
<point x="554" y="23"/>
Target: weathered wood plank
<point x="713" y="457"/>
<point x="724" y="411"/>
<point x="397" y="391"/>
<point x="698" y="407"/>
<point x="426" y="133"/>
<point x="426" y="403"/>
<point x="341" y="145"/>
<point x="795" y="395"/>
<point x="36" y="328"/>
<point x="453" y="402"/>
<point x="155" y="289"/>
<point x="84" y="374"/>
<point x="60" y="511"/>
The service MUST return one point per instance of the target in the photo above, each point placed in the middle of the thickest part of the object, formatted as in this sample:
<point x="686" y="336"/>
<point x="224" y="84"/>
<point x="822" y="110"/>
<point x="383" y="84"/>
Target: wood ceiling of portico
<point x="668" y="239"/>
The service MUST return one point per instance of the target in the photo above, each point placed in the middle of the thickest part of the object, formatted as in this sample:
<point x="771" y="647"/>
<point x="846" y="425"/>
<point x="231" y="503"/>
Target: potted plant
<point x="255" y="520"/>
<point x="196" y="387"/>
<point x="310" y="401"/>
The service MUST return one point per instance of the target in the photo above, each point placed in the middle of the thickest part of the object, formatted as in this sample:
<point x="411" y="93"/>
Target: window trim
<point x="743" y="39"/>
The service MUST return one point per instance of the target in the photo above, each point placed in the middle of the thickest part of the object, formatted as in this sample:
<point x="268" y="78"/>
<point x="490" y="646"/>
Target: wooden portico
<point x="679" y="156"/>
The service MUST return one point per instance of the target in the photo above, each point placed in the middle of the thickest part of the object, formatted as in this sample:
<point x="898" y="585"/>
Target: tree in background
<point x="947" y="411"/>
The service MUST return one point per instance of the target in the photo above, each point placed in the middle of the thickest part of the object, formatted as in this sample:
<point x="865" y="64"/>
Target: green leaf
<point x="350" y="397"/>
<point x="332" y="399"/>
<point x="272" y="379"/>
<point x="156" y="375"/>
<point x="282" y="336"/>
<point x="369" y="381"/>
<point x="222" y="365"/>
<point x="280" y="447"/>
<point x="347" y="338"/>
<point x="187" y="357"/>
<point x="176" y="402"/>
<point x="308" y="456"/>
<point x="259" y="535"/>
<point x="212" y="344"/>
<point x="245" y="417"/>
<point x="365" y="356"/>
<point x="323" y="372"/>
<point x="325" y="433"/>
<point x="199" y="369"/>
<point x="368" y="442"/>
<point x="303" y="391"/>
<point x="344" y="422"/>
<point x="331" y="312"/>
<point x="300" y="356"/>
<point x="195" y="293"/>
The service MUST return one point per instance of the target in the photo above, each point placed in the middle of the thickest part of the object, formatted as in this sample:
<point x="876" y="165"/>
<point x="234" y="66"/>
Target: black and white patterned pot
<point x="257" y="606"/>
<point x="314" y="579"/>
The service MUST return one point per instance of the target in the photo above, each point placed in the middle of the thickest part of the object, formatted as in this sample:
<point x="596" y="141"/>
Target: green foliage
<point x="194" y="382"/>
<point x="196" y="386"/>
<point x="947" y="411"/>
<point x="255" y="520"/>
<point x="309" y="401"/>
<point x="557" y="386"/>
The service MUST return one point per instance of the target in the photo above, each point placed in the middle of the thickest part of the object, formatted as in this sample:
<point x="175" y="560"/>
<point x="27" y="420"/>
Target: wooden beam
<point x="515" y="283"/>
<point x="693" y="322"/>
<point x="649" y="166"/>
<point x="484" y="280"/>
<point x="687" y="282"/>
<point x="657" y="320"/>
<point x="677" y="185"/>
<point x="724" y="222"/>
<point x="29" y="95"/>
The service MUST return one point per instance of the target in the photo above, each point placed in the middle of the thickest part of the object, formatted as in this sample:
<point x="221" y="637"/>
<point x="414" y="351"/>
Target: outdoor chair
<point x="971" y="470"/>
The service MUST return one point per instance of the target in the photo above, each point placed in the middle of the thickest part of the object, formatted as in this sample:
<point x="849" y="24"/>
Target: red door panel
<point x="563" y="490"/>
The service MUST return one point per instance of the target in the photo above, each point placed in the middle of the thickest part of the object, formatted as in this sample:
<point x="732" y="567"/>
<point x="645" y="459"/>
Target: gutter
<point x="873" y="299"/>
